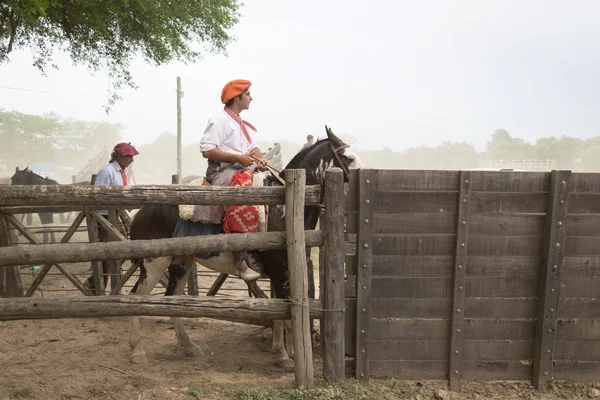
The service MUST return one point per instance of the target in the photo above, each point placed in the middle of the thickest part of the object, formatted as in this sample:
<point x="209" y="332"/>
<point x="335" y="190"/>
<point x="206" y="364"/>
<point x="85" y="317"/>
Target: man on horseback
<point x="229" y="148"/>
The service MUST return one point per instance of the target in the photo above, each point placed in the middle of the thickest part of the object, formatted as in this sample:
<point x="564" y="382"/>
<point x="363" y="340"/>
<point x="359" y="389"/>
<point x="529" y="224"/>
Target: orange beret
<point x="234" y="88"/>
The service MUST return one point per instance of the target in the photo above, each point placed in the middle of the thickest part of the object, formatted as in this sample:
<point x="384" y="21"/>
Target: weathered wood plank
<point x="499" y="329"/>
<point x="577" y="350"/>
<point x="579" y="286"/>
<point x="416" y="202"/>
<point x="577" y="371"/>
<point x="422" y="245"/>
<point x="80" y="252"/>
<point x="583" y="225"/>
<point x="61" y="209"/>
<point x="409" y="350"/>
<point x="503" y="266"/>
<point x="585" y="182"/>
<point x="175" y="306"/>
<point x="438" y="370"/>
<point x="584" y="203"/>
<point x="417" y="180"/>
<point x="440" y="245"/>
<point x="410" y="329"/>
<point x="48" y="195"/>
<point x="505" y="245"/>
<point x="421" y="370"/>
<point x="503" y="224"/>
<point x="521" y="307"/>
<point x="514" y="181"/>
<point x="436" y="287"/>
<point x="578" y="329"/>
<point x="582" y="246"/>
<point x="487" y="350"/>
<point x="480" y="371"/>
<point x="296" y="251"/>
<point x="500" y="202"/>
<point x="441" y="266"/>
<point x="579" y="308"/>
<point x="333" y="278"/>
<point x="410" y="308"/>
<point x="581" y="266"/>
<point x="438" y="329"/>
<point x="399" y="265"/>
<point x="368" y="187"/>
<point x="413" y="222"/>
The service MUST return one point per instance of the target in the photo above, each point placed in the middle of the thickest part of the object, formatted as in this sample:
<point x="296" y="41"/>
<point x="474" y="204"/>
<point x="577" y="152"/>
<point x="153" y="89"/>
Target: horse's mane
<point x="302" y="153"/>
<point x="29" y="171"/>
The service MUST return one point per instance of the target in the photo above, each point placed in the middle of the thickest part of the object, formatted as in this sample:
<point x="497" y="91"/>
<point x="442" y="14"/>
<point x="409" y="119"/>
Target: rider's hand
<point x="261" y="165"/>
<point x="245" y="160"/>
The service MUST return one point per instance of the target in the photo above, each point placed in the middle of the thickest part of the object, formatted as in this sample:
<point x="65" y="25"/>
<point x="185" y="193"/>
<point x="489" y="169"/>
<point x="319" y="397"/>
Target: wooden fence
<point x="295" y="240"/>
<point x="465" y="275"/>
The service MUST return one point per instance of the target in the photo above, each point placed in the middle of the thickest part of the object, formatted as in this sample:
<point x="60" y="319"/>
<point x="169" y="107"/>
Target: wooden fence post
<point x="10" y="277"/>
<point x="192" y="287"/>
<point x="457" y="317"/>
<point x="333" y="278"/>
<point x="296" y="250"/>
<point x="367" y="184"/>
<point x="92" y="228"/>
<point x="552" y="258"/>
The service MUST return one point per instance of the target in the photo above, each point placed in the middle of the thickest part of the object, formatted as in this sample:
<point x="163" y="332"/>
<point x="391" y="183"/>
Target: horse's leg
<point x="151" y="270"/>
<point x="283" y="359"/>
<point x="178" y="277"/>
<point x="288" y="337"/>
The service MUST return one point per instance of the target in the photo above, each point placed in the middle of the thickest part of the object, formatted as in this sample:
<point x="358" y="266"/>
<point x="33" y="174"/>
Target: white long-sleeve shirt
<point x="224" y="133"/>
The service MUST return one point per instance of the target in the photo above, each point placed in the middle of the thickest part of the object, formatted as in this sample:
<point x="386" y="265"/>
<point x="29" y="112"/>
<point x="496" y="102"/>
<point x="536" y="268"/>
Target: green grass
<point x="22" y="393"/>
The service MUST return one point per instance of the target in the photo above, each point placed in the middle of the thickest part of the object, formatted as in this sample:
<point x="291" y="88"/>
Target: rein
<point x="339" y="160"/>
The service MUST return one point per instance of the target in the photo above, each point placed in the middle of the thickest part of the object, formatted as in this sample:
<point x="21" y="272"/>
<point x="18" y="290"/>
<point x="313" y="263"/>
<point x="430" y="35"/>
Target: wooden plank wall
<point x="577" y="345"/>
<point x="411" y="277"/>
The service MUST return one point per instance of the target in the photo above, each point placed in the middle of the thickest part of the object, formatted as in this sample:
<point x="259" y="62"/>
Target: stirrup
<point x="249" y="275"/>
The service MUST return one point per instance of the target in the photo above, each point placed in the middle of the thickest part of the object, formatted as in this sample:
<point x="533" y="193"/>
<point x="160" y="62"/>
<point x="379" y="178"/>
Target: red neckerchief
<point x="242" y="123"/>
<point x="123" y="175"/>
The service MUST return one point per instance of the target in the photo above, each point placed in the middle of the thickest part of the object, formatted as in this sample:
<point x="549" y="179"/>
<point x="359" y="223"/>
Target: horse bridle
<point x="339" y="160"/>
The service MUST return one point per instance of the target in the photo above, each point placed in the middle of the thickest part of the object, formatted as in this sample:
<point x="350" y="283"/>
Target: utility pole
<point x="179" y="96"/>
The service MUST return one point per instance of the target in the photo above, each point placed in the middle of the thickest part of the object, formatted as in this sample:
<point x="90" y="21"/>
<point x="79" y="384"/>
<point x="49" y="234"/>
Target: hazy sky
<point x="389" y="73"/>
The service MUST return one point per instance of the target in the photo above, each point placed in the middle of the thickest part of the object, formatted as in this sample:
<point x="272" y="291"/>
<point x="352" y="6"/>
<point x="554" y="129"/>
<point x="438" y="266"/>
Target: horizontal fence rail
<point x="49" y="195"/>
<point x="170" y="306"/>
<point x="79" y="252"/>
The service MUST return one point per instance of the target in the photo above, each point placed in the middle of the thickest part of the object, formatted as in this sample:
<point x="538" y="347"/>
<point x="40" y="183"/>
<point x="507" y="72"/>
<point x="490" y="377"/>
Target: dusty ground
<point x="89" y="359"/>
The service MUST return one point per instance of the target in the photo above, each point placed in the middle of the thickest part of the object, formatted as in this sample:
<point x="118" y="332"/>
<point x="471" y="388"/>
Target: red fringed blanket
<point x="241" y="219"/>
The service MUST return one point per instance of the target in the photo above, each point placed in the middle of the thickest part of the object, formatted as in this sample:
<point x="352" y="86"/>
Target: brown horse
<point x="160" y="221"/>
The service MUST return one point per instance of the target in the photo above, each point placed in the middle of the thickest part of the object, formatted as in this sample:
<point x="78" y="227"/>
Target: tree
<point x="504" y="147"/>
<point x="107" y="34"/>
<point x="27" y="139"/>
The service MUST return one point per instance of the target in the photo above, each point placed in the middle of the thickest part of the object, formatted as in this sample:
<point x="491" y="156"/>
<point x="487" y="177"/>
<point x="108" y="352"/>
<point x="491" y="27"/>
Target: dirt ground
<point x="89" y="359"/>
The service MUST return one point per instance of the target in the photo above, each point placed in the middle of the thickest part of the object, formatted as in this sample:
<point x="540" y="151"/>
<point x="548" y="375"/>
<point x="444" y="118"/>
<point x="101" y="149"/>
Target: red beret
<point x="126" y="149"/>
<point x="234" y="88"/>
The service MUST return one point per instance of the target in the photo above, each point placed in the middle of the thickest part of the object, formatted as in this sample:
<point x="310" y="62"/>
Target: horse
<point x="28" y="177"/>
<point x="159" y="221"/>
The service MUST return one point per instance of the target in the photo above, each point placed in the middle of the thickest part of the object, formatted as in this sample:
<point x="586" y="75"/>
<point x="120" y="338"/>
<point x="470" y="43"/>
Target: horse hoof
<point x="286" y="364"/>
<point x="139" y="359"/>
<point x="194" y="351"/>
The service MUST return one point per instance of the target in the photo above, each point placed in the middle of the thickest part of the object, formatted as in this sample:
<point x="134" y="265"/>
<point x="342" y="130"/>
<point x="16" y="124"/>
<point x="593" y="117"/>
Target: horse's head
<point x="324" y="154"/>
<point x="21" y="177"/>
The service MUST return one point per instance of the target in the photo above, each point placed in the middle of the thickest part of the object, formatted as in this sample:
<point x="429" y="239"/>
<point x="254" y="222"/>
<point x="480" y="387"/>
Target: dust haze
<point x="424" y="85"/>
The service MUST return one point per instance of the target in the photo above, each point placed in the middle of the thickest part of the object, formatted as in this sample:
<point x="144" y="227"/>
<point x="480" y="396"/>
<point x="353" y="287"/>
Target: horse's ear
<point x="17" y="170"/>
<point x="332" y="138"/>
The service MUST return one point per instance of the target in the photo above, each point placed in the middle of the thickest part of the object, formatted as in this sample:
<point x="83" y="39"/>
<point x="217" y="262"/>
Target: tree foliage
<point x="27" y="139"/>
<point x="107" y="34"/>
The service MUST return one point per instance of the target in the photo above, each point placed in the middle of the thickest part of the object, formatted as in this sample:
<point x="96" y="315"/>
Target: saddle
<point x="236" y="217"/>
